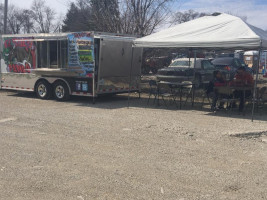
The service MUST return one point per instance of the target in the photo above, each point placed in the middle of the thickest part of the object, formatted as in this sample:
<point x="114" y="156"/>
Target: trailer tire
<point x="43" y="89"/>
<point x="61" y="91"/>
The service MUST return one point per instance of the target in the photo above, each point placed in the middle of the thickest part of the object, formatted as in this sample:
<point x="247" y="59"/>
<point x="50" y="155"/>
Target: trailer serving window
<point x="52" y="54"/>
<point x="42" y="54"/>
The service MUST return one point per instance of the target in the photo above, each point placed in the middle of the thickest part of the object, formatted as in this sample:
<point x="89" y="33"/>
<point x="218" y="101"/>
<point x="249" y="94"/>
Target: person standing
<point x="242" y="79"/>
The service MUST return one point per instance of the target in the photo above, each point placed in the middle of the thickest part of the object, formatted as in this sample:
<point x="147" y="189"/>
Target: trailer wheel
<point x="43" y="90"/>
<point x="61" y="91"/>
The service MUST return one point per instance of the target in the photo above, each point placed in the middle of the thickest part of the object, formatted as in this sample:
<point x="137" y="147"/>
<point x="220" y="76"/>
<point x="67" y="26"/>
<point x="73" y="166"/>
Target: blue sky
<point x="254" y="10"/>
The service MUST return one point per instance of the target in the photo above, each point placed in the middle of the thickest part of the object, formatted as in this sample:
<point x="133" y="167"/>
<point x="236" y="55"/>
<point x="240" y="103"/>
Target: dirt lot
<point x="79" y="151"/>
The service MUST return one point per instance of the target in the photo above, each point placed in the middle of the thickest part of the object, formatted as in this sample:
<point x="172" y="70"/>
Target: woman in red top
<point x="242" y="79"/>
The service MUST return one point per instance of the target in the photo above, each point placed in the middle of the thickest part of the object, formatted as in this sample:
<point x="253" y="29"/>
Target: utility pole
<point x="265" y="67"/>
<point x="5" y="17"/>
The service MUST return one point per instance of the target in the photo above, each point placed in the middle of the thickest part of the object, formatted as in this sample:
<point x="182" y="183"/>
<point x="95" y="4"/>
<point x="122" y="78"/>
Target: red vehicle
<point x="153" y="64"/>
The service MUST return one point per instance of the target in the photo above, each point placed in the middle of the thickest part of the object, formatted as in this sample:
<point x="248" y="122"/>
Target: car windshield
<point x="222" y="61"/>
<point x="180" y="63"/>
<point x="207" y="65"/>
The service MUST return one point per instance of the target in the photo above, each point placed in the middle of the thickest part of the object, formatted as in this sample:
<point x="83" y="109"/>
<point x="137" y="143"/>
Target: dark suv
<point x="229" y="64"/>
<point x="181" y="70"/>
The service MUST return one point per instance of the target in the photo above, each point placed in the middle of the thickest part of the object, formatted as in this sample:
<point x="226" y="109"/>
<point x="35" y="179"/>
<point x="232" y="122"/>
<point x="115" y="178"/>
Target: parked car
<point x="182" y="69"/>
<point x="230" y="64"/>
<point x="152" y="64"/>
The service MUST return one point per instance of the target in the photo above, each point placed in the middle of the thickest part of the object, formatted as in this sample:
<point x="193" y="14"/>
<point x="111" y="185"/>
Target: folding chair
<point x="229" y="102"/>
<point x="166" y="91"/>
<point x="187" y="91"/>
<point x="206" y="95"/>
<point x="261" y="98"/>
<point x="225" y="95"/>
<point x="153" y="90"/>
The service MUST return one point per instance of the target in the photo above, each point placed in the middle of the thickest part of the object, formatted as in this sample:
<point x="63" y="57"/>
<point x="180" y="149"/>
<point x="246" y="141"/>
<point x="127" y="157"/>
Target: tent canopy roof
<point x="222" y="31"/>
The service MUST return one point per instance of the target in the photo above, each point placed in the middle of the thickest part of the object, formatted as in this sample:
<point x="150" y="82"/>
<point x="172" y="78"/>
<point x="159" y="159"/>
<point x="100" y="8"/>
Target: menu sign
<point x="81" y="51"/>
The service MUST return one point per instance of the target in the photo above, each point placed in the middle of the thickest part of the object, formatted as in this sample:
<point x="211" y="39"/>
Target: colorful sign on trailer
<point x="81" y="52"/>
<point x="19" y="55"/>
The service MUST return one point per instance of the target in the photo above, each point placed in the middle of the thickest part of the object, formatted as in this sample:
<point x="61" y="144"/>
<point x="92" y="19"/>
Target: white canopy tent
<point x="219" y="31"/>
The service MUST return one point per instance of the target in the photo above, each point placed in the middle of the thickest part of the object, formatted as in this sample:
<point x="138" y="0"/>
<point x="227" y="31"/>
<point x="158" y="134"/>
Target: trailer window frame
<point x="46" y="50"/>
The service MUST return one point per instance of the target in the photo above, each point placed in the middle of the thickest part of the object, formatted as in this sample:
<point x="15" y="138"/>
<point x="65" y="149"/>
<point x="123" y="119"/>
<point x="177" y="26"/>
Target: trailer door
<point x="115" y="66"/>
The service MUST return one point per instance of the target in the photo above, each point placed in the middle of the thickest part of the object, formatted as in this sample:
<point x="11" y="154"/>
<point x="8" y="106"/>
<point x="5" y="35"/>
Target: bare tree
<point x="43" y="16"/>
<point x="40" y="18"/>
<point x="28" y="23"/>
<point x="181" y="17"/>
<point x="142" y="17"/>
<point x="139" y="17"/>
<point x="58" y="24"/>
<point x="1" y="18"/>
<point x="18" y="20"/>
<point x="15" y="19"/>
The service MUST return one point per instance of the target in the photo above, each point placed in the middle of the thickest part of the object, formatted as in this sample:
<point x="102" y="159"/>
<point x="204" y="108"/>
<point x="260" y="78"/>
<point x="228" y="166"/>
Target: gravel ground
<point x="77" y="150"/>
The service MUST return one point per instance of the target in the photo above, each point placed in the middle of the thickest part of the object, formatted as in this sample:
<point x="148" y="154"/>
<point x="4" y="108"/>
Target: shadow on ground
<point x="251" y="135"/>
<point x="121" y="101"/>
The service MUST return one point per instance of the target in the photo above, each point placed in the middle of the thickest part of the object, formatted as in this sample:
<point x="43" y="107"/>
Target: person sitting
<point x="242" y="79"/>
<point x="218" y="80"/>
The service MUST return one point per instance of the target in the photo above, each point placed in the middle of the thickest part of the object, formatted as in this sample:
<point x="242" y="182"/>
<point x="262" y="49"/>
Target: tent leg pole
<point x="255" y="85"/>
<point x="129" y="87"/>
<point x="193" y="87"/>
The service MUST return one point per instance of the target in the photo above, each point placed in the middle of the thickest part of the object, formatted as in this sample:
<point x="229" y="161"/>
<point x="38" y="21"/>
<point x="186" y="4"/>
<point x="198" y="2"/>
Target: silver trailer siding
<point x="47" y="63"/>
<point x="117" y="67"/>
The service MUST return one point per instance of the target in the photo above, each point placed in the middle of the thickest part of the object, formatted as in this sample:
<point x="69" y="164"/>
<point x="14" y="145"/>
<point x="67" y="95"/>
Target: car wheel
<point x="43" y="90"/>
<point x="61" y="91"/>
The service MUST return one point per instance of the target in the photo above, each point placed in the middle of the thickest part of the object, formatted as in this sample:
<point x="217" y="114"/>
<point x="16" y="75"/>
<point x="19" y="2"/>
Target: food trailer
<point x="64" y="64"/>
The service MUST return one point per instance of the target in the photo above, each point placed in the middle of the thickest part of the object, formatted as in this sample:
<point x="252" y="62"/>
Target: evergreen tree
<point x="77" y="19"/>
<point x="106" y="15"/>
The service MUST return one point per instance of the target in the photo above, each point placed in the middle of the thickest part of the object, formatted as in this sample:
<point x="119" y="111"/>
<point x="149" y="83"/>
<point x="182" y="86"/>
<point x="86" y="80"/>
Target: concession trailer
<point x="64" y="64"/>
